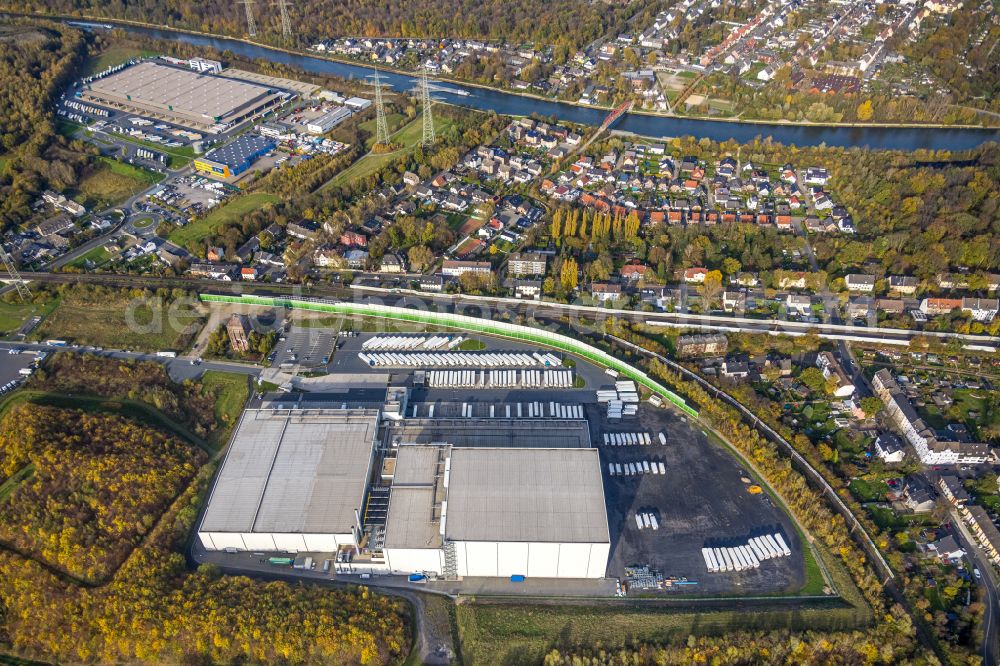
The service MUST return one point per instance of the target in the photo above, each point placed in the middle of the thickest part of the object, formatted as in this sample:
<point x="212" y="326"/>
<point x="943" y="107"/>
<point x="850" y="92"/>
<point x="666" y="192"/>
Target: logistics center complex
<point x="386" y="489"/>
<point x="200" y="101"/>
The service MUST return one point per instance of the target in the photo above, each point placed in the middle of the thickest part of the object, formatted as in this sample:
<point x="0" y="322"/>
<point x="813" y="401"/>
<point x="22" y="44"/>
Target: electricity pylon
<point x="251" y="23"/>
<point x="425" y="101"/>
<point x="286" y="23"/>
<point x="22" y="288"/>
<point x="381" y="127"/>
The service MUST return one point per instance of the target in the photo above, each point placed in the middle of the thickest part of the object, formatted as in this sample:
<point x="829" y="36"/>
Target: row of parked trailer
<point x="632" y="439"/>
<point x="488" y="379"/>
<point x="411" y="342"/>
<point x="749" y="556"/>
<point x="458" y="359"/>
<point x="636" y="468"/>
<point x="647" y="521"/>
<point x="520" y="410"/>
<point x="621" y="401"/>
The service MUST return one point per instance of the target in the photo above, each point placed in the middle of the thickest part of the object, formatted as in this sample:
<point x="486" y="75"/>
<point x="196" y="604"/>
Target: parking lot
<point x="305" y="347"/>
<point x="702" y="501"/>
<point x="11" y="366"/>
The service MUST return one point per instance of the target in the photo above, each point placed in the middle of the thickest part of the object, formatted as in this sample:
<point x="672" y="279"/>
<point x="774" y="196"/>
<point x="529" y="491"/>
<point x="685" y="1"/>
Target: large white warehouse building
<point x="293" y="480"/>
<point x="451" y="497"/>
<point x="536" y="512"/>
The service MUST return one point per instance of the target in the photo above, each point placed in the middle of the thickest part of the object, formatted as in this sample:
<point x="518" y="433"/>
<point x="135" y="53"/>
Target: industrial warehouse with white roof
<point x="448" y="497"/>
<point x="182" y="96"/>
<point x="293" y="480"/>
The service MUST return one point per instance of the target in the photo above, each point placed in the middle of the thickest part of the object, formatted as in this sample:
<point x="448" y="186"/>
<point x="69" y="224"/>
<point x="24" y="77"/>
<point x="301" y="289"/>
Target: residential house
<point x="735" y="370"/>
<point x="303" y="230"/>
<point x="356" y="259"/>
<point x="522" y="288"/>
<point x="695" y="275"/>
<point x="392" y="263"/>
<point x="953" y="490"/>
<point x="430" y="283"/>
<point x="454" y="268"/>
<point x="795" y="280"/>
<point x="982" y="309"/>
<point x="889" y="447"/>
<point x="985" y="531"/>
<point x="224" y="272"/>
<point x="526" y="263"/>
<point x="946" y="549"/>
<point x="605" y="291"/>
<point x="326" y="256"/>
<point x="831" y="368"/>
<point x="918" y="495"/>
<point x="702" y="345"/>
<point x="634" y="272"/>
<point x="798" y="303"/>
<point x="734" y="301"/>
<point x="903" y="284"/>
<point x="930" y="449"/>
<point x="939" y="306"/>
<point x="859" y="282"/>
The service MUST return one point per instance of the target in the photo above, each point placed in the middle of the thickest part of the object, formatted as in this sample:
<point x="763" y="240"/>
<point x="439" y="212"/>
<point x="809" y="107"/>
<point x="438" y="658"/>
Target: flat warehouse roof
<point x="293" y="471"/>
<point x="414" y="519"/>
<point x="536" y="495"/>
<point x="179" y="90"/>
<point x="234" y="154"/>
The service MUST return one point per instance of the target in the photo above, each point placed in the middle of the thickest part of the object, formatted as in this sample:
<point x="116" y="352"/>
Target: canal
<point x="892" y="138"/>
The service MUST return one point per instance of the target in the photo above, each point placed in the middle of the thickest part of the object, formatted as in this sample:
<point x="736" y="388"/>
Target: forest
<point x="98" y="485"/>
<point x="881" y="646"/>
<point x="144" y="381"/>
<point x="569" y="22"/>
<point x="154" y="610"/>
<point x="112" y="500"/>
<point x="36" y="61"/>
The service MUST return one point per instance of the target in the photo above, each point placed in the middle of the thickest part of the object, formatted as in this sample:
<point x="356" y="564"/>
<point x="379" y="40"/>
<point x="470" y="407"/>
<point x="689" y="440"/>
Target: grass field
<point x="98" y="256"/>
<point x="119" y="324"/>
<point x="231" y="392"/>
<point x="114" y="55"/>
<point x="393" y="121"/>
<point x="218" y="218"/>
<point x="13" y="315"/>
<point x="408" y="137"/>
<point x="112" y="182"/>
<point x="520" y="634"/>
